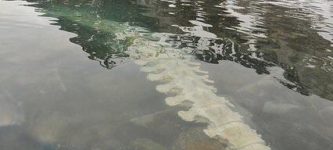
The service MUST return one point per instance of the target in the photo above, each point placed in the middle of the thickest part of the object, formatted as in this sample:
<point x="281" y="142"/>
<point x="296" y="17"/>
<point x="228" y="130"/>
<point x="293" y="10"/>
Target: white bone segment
<point x="181" y="77"/>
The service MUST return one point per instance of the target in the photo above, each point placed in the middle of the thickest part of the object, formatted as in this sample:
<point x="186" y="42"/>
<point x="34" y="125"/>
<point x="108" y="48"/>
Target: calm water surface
<point x="68" y="84"/>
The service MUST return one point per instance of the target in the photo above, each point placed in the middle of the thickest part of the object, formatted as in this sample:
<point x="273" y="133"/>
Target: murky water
<point x="67" y="82"/>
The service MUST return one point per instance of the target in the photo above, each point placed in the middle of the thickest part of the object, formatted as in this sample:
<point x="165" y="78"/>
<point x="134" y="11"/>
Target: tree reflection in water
<point x="262" y="35"/>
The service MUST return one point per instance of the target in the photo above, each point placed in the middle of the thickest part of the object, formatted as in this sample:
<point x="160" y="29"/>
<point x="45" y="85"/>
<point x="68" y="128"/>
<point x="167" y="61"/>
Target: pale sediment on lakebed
<point x="181" y="77"/>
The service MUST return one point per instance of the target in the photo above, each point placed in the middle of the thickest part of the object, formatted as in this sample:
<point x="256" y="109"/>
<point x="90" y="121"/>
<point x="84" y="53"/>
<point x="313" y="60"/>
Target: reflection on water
<point x="290" y="37"/>
<point x="296" y="36"/>
<point x="59" y="100"/>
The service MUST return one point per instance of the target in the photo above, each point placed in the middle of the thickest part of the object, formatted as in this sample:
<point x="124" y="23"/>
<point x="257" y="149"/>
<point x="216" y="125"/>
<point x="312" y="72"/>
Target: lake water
<point x="69" y="83"/>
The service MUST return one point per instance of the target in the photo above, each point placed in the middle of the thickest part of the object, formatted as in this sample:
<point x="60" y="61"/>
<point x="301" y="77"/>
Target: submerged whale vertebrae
<point x="181" y="77"/>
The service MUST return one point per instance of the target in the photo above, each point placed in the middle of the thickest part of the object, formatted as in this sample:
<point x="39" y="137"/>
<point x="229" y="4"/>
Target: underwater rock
<point x="276" y="108"/>
<point x="47" y="129"/>
<point x="147" y="119"/>
<point x="10" y="111"/>
<point x="16" y="138"/>
<point x="164" y="124"/>
<point x="12" y="137"/>
<point x="146" y="144"/>
<point x="327" y="114"/>
<point x="195" y="139"/>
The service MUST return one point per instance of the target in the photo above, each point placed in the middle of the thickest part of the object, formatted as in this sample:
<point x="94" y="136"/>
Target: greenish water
<point x="273" y="60"/>
<point x="284" y="36"/>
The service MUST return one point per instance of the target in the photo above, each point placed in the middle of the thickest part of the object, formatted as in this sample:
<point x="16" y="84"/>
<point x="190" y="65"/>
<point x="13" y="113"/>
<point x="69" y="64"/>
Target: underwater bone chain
<point x="182" y="77"/>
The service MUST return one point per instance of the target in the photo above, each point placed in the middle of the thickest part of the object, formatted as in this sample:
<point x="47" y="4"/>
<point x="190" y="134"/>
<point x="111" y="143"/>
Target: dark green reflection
<point x="94" y="33"/>
<point x="290" y="43"/>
